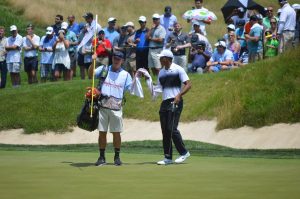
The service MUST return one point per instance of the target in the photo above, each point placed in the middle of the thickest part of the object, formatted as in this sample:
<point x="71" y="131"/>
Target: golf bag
<point x="84" y="119"/>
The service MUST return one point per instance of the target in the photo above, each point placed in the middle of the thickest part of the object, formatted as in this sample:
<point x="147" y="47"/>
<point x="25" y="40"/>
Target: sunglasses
<point x="231" y="35"/>
<point x="154" y="19"/>
<point x="270" y="10"/>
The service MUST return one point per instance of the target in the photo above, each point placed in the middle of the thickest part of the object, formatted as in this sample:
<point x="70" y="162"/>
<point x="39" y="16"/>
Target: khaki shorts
<point x="130" y="64"/>
<point x="102" y="61"/>
<point x="14" y="67"/>
<point x="110" y="120"/>
<point x="153" y="59"/>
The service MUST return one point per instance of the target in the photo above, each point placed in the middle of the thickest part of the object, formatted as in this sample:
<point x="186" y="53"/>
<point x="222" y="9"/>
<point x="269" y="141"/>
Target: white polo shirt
<point x="171" y="80"/>
<point x="14" y="56"/>
<point x="27" y="43"/>
<point x="287" y="18"/>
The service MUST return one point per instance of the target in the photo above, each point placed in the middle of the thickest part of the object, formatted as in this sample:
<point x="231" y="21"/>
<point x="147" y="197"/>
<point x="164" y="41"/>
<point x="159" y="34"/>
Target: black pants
<point x="3" y="70"/>
<point x="142" y="59"/>
<point x="169" y="122"/>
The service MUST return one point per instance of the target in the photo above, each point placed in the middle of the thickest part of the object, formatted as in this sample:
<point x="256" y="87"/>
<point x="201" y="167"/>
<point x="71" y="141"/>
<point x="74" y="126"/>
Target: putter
<point x="174" y="107"/>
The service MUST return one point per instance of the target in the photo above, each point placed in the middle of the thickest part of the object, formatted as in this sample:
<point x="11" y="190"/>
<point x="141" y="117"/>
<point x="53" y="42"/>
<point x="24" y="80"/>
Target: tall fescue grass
<point x="43" y="12"/>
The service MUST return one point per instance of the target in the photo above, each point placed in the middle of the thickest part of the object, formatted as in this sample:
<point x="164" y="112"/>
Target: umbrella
<point x="230" y="5"/>
<point x="199" y="14"/>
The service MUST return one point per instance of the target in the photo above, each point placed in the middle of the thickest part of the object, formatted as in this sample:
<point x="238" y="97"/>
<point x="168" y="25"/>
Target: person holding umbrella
<point x="199" y="5"/>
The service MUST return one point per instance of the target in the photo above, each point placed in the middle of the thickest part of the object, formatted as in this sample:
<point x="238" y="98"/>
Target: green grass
<point x="155" y="147"/>
<point x="64" y="175"/>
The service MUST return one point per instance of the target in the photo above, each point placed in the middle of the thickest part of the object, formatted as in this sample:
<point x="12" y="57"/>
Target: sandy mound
<point x="279" y="136"/>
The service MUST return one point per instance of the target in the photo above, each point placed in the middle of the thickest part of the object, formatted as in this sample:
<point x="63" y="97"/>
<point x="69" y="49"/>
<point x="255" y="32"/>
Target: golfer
<point x="112" y="91"/>
<point x="170" y="78"/>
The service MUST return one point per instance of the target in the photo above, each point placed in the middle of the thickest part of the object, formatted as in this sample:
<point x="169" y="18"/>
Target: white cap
<point x="49" y="30"/>
<point x="13" y="27"/>
<point x="129" y="23"/>
<point x="111" y="19"/>
<point x="231" y="26"/>
<point x="221" y="43"/>
<point x="142" y="18"/>
<point x="195" y="22"/>
<point x="64" y="25"/>
<point x="241" y="9"/>
<point x="155" y="16"/>
<point x="166" y="53"/>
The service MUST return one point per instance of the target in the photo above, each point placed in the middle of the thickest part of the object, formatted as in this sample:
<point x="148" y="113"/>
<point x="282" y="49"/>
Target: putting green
<point x="60" y="175"/>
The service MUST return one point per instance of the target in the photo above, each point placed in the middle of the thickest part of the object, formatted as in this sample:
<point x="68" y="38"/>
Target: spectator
<point x="103" y="49"/>
<point x="130" y="51"/>
<point x="230" y="28"/>
<point x="156" y="37"/>
<point x="168" y="20"/>
<point x="286" y="26"/>
<point x="268" y="18"/>
<point x="238" y="14"/>
<point x="243" y="60"/>
<point x="72" y="38"/>
<point x="234" y="46"/>
<point x="274" y="26"/>
<point x="57" y="26"/>
<point x="197" y="33"/>
<point x="271" y="45"/>
<point x="73" y="26"/>
<point x="221" y="59"/>
<point x="85" y="43"/>
<point x="142" y="44"/>
<point x="121" y="40"/>
<point x="199" y="57"/>
<point x="110" y="31"/>
<point x="202" y="23"/>
<point x="178" y="41"/>
<point x="254" y="39"/>
<point x="47" y="55"/>
<point x="13" y="58"/>
<point x="3" y="67"/>
<point x="61" y="60"/>
<point x="30" y="45"/>
<point x="239" y="32"/>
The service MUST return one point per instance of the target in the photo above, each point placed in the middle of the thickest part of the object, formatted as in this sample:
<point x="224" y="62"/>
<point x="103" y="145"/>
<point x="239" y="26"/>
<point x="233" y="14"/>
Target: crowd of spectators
<point x="68" y="44"/>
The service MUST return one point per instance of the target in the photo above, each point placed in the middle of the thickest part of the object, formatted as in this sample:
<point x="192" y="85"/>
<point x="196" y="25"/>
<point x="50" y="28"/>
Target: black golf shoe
<point x="117" y="161"/>
<point x="100" y="162"/>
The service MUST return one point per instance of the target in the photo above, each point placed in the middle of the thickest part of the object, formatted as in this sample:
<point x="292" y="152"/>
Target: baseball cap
<point x="195" y="22"/>
<point x="166" y="53"/>
<point x="64" y="25"/>
<point x="101" y="32"/>
<point x="201" y="43"/>
<point x="220" y="43"/>
<point x="111" y="19"/>
<point x="241" y="22"/>
<point x="231" y="26"/>
<point x="168" y="9"/>
<point x="253" y="18"/>
<point x="155" y="16"/>
<point x="142" y="18"/>
<point x="119" y="54"/>
<point x="241" y="9"/>
<point x="49" y="30"/>
<point x="282" y="1"/>
<point x="88" y="15"/>
<point x="129" y="23"/>
<point x="13" y="27"/>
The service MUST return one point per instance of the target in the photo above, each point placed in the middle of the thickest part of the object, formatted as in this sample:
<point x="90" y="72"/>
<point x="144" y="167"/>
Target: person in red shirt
<point x="103" y="49"/>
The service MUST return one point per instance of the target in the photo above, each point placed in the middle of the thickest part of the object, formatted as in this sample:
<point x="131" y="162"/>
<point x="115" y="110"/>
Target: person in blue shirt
<point x="168" y="20"/>
<point x="199" y="57"/>
<point x="73" y="26"/>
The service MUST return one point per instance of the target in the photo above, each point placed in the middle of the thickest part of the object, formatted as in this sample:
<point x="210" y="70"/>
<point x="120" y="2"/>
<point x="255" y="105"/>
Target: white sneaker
<point x="182" y="158"/>
<point x="165" y="162"/>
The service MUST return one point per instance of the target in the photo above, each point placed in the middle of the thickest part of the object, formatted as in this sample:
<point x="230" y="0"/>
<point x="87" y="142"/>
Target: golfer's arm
<point x="187" y="86"/>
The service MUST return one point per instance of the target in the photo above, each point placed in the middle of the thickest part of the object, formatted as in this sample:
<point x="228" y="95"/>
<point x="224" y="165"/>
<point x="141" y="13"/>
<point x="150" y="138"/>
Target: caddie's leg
<point x="102" y="145"/>
<point x="117" y="146"/>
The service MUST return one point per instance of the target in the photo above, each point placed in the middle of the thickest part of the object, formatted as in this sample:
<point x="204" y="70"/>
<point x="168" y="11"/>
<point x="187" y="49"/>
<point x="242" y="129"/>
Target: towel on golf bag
<point x="84" y="119"/>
